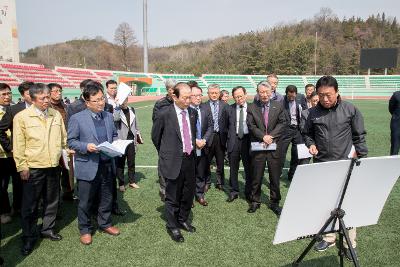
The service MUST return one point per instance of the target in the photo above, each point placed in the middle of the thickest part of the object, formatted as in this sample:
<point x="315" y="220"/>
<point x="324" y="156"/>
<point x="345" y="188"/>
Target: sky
<point x="42" y="22"/>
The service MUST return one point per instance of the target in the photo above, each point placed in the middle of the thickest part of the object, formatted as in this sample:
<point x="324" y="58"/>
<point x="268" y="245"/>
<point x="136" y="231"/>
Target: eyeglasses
<point x="200" y="95"/>
<point x="99" y="100"/>
<point x="56" y="91"/>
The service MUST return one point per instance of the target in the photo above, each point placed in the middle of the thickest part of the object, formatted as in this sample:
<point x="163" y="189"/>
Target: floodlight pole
<point x="145" y="46"/>
<point x="315" y="54"/>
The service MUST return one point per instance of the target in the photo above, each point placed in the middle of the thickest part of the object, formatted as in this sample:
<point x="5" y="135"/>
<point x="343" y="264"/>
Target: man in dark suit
<point x="238" y="143"/>
<point x="94" y="171"/>
<point x="217" y="146"/>
<point x="294" y="104"/>
<point x="204" y="131"/>
<point x="174" y="136"/>
<point x="394" y="109"/>
<point x="166" y="101"/>
<point x="6" y="123"/>
<point x="266" y="121"/>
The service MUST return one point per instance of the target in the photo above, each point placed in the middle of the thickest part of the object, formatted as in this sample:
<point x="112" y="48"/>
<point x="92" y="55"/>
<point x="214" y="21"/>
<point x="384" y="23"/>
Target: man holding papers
<point x="266" y="121"/>
<point x="331" y="129"/>
<point x="94" y="171"/>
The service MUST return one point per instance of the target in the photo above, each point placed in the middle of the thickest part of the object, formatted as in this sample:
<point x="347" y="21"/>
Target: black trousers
<point x="258" y="161"/>
<point x="394" y="137"/>
<point x="201" y="174"/>
<point x="129" y="157"/>
<point x="217" y="149"/>
<point x="44" y="182"/>
<point x="8" y="170"/>
<point x="65" y="184"/>
<point x="179" y="193"/>
<point x="293" y="136"/>
<point x="100" y="190"/>
<point x="241" y="151"/>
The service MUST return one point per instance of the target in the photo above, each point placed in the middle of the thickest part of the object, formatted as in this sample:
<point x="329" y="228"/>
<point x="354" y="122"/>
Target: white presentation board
<point x="316" y="188"/>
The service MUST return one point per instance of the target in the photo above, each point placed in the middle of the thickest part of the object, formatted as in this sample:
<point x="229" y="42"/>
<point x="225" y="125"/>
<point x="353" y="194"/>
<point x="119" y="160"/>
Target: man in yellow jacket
<point x="39" y="136"/>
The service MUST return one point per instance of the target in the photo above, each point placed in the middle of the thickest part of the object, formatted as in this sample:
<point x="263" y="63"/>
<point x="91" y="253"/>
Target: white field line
<point x="155" y="167"/>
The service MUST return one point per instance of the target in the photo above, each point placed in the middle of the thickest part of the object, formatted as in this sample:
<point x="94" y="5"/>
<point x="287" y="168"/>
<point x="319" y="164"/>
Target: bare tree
<point x="124" y="37"/>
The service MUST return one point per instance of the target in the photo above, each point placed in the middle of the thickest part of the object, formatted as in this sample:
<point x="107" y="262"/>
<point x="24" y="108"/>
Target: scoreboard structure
<point x="9" y="47"/>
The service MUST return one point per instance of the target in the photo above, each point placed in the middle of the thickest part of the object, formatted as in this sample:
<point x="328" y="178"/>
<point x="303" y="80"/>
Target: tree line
<point x="284" y="49"/>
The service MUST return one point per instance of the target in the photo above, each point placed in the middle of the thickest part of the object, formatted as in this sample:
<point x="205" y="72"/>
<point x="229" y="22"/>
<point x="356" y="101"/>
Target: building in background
<point x="9" y="48"/>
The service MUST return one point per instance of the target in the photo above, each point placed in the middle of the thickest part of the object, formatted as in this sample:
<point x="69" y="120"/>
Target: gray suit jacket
<point x="81" y="132"/>
<point x="122" y="125"/>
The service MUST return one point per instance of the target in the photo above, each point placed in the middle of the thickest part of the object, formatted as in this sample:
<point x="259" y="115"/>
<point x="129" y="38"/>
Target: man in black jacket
<point x="216" y="148"/>
<point x="394" y="109"/>
<point x="174" y="136"/>
<point x="204" y="130"/>
<point x="158" y="106"/>
<point x="6" y="123"/>
<point x="266" y="121"/>
<point x="331" y="129"/>
<point x="238" y="143"/>
<point x="294" y="103"/>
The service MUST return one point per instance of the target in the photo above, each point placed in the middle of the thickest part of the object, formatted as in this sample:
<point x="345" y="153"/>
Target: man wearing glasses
<point x="57" y="104"/>
<point x="94" y="171"/>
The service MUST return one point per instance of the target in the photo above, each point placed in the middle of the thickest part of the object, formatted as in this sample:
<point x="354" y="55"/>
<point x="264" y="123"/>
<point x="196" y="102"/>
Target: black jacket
<point x="6" y="123"/>
<point x="222" y="120"/>
<point x="277" y="123"/>
<point x="167" y="139"/>
<point x="333" y="131"/>
<point x="160" y="104"/>
<point x="394" y="107"/>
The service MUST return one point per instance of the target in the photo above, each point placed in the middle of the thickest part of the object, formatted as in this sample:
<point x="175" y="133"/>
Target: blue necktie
<point x="198" y="125"/>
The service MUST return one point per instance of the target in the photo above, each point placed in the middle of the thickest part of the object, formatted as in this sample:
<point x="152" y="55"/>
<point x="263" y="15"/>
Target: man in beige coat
<point x="38" y="140"/>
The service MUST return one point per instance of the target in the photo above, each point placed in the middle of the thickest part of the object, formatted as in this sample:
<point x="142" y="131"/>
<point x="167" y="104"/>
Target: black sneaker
<point x="348" y="254"/>
<point x="323" y="245"/>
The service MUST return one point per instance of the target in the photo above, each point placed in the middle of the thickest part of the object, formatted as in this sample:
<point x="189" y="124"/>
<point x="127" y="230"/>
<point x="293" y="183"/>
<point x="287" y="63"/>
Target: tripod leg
<point x="346" y="235"/>
<point x="315" y="238"/>
<point x="341" y="247"/>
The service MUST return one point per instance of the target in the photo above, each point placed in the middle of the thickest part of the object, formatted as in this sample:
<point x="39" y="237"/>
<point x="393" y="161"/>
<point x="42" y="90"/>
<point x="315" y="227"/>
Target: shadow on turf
<point x="322" y="261"/>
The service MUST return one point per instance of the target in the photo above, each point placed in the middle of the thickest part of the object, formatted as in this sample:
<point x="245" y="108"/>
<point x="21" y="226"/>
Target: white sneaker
<point x="134" y="185"/>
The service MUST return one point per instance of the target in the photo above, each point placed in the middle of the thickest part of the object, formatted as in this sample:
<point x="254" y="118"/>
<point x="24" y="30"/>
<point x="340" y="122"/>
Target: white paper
<point x="316" y="189"/>
<point x="303" y="152"/>
<point x="65" y="158"/>
<point x="261" y="146"/>
<point x="116" y="149"/>
<point x="352" y="150"/>
<point x="123" y="92"/>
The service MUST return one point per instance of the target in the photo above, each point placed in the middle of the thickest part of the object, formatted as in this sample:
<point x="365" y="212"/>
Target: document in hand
<point x="123" y="92"/>
<point x="261" y="146"/>
<point x="303" y="152"/>
<point x="116" y="149"/>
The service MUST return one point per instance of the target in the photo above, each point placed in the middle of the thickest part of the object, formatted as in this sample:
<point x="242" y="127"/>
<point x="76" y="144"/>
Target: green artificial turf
<point x="226" y="234"/>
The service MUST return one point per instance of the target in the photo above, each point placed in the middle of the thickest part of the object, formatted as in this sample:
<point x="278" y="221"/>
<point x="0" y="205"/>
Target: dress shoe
<point x="188" y="227"/>
<point x="118" y="212"/>
<point x="52" y="236"/>
<point x="86" y="239"/>
<point x="206" y="187"/>
<point x="27" y="248"/>
<point x="220" y="187"/>
<point x="111" y="230"/>
<point x="68" y="196"/>
<point x="202" y="202"/>
<point x="162" y="196"/>
<point x="253" y="207"/>
<point x="175" y="235"/>
<point x="276" y="209"/>
<point x="121" y="188"/>
<point x="231" y="198"/>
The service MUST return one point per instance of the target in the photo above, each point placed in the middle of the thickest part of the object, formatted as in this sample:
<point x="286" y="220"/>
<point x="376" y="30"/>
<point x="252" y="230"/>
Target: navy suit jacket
<point x="81" y="132"/>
